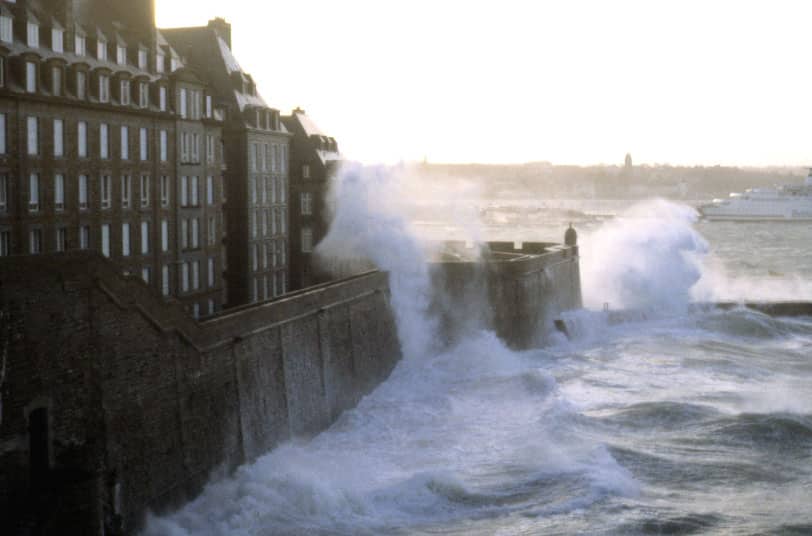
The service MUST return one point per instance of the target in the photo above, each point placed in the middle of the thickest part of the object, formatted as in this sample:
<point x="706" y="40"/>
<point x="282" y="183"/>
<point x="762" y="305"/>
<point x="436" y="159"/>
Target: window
<point x="3" y="193"/>
<point x="126" y="191"/>
<point x="33" y="192"/>
<point x="267" y="193"/>
<point x="184" y="279"/>
<point x="253" y="186"/>
<point x="264" y="255"/>
<point x="57" y="40"/>
<point x="143" y="144"/>
<point x="125" y="143"/>
<point x="5" y="243"/>
<point x="144" y="191"/>
<point x="165" y="280"/>
<point x="264" y="223"/>
<point x="211" y="306"/>
<point x="104" y="141"/>
<point x="164" y="236"/>
<point x="101" y="50"/>
<point x="59" y="138"/>
<point x="254" y="157"/>
<point x="30" y="76"/>
<point x="56" y="81"/>
<point x="266" y="158"/>
<point x="184" y="234"/>
<point x="143" y="94"/>
<point x="105" y="191"/>
<point x="307" y="240"/>
<point x="125" y="239"/>
<point x="195" y="233"/>
<point x="305" y="171"/>
<point x="196" y="148"/>
<point x="3" y="134"/>
<point x="274" y="157"/>
<point x="59" y="192"/>
<point x="121" y="55"/>
<point x="35" y="241"/>
<point x="164" y="191"/>
<point x="81" y="85"/>
<point x="195" y="200"/>
<point x="159" y="62"/>
<point x="146" y="274"/>
<point x="210" y="149"/>
<point x="306" y="203"/>
<point x="6" y="33"/>
<point x="210" y="272"/>
<point x="254" y="223"/>
<point x="212" y="232"/>
<point x="255" y="257"/>
<point x="208" y="105"/>
<point x="142" y="59"/>
<point x="164" y="151"/>
<point x="84" y="237"/>
<point x="210" y="190"/>
<point x="61" y="239"/>
<point x="80" y="45"/>
<point x="162" y="98"/>
<point x="182" y="103"/>
<point x="105" y="239"/>
<point x="32" y="35"/>
<point x="82" y="192"/>
<point x="144" y="237"/>
<point x="184" y="191"/>
<point x="81" y="138"/>
<point x="283" y="220"/>
<point x="195" y="310"/>
<point x="104" y="88"/>
<point x="124" y="92"/>
<point x="33" y="135"/>
<point x="184" y="147"/>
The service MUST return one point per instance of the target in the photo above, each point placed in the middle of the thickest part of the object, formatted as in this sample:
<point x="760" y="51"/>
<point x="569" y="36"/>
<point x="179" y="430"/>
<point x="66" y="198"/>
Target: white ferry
<point x="783" y="203"/>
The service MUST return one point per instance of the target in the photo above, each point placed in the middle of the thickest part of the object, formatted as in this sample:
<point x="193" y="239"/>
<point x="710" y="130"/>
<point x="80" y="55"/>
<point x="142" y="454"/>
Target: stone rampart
<point x="115" y="402"/>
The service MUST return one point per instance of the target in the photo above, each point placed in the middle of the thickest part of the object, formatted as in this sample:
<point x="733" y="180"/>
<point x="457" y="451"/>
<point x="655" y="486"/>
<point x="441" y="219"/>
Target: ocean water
<point x="662" y="420"/>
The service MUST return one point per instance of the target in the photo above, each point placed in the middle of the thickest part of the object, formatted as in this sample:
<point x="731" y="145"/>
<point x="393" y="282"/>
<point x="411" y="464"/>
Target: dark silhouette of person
<point x="570" y="236"/>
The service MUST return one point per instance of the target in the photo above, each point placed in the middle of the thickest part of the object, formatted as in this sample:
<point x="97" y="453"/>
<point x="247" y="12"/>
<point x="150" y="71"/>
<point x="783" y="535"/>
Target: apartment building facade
<point x="314" y="160"/>
<point x="256" y="149"/>
<point x="108" y="142"/>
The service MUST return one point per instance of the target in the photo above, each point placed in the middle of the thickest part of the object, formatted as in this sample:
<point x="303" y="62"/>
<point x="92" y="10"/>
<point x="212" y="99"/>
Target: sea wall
<point x="115" y="402"/>
<point x="517" y="290"/>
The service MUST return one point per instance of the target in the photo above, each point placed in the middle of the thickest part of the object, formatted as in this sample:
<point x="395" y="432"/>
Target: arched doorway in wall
<point x="39" y="445"/>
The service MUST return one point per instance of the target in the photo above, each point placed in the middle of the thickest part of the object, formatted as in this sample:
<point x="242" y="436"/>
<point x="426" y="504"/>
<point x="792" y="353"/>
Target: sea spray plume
<point x="649" y="258"/>
<point x="369" y="226"/>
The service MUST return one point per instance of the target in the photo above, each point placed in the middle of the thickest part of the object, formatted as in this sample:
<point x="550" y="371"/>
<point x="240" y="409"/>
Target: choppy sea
<point x="669" y="421"/>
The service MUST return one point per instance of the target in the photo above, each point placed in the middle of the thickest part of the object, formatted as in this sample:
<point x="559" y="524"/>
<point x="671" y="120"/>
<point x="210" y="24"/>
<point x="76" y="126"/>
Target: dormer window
<point x="80" y="45"/>
<point x="58" y="40"/>
<point x="143" y="94"/>
<point x="208" y="106"/>
<point x="124" y="92"/>
<point x="160" y="60"/>
<point x="32" y="35"/>
<point x="101" y="50"/>
<point x="6" y="33"/>
<point x="30" y="77"/>
<point x="142" y="59"/>
<point x="173" y="64"/>
<point x="121" y="55"/>
<point x="162" y="98"/>
<point x="104" y="88"/>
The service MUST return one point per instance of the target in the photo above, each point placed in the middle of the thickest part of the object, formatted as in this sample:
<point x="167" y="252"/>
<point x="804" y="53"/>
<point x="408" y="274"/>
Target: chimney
<point x="222" y="29"/>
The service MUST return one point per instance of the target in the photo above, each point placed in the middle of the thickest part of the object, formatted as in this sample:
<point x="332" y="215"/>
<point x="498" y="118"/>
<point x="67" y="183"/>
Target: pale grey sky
<point x="570" y="81"/>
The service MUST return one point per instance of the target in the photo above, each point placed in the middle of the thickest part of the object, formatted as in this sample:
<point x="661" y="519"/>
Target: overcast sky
<point x="570" y="81"/>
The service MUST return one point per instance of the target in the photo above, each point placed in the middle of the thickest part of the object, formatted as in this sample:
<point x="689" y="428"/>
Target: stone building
<point x="314" y="159"/>
<point x="256" y="146"/>
<point x="108" y="141"/>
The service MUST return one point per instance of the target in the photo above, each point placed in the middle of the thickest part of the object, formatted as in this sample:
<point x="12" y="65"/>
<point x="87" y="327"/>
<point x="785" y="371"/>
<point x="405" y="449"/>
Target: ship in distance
<point x="781" y="203"/>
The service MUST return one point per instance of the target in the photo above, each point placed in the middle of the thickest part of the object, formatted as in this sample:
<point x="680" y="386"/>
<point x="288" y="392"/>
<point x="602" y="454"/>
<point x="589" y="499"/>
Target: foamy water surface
<point x="668" y="422"/>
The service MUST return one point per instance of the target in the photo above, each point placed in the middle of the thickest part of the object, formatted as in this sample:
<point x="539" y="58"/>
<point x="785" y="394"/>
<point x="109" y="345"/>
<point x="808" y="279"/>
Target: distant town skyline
<point x="577" y="82"/>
